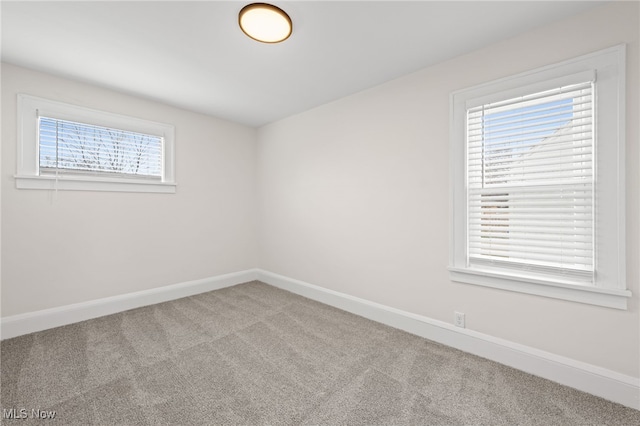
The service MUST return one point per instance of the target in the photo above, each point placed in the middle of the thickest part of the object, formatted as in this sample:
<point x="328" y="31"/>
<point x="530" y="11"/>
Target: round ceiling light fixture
<point x="265" y="23"/>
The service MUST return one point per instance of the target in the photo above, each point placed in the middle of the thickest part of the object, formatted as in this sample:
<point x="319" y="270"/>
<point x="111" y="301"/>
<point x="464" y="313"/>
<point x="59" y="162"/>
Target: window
<point x="64" y="146"/>
<point x="538" y="182"/>
<point x="530" y="182"/>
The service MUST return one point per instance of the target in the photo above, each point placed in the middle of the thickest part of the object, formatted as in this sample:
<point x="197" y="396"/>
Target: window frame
<point x="28" y="174"/>
<point x="609" y="288"/>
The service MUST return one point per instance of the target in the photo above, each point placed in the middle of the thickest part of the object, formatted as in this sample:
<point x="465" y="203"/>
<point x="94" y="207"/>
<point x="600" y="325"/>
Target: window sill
<point x="610" y="298"/>
<point x="90" y="183"/>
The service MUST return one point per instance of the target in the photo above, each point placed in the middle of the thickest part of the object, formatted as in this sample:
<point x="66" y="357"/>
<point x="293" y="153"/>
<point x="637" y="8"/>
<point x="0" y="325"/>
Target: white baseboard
<point x="30" y="322"/>
<point x="595" y="380"/>
<point x="598" y="381"/>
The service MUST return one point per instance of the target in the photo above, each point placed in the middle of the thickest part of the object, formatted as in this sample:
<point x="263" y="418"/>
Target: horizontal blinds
<point x="530" y="181"/>
<point x="79" y="148"/>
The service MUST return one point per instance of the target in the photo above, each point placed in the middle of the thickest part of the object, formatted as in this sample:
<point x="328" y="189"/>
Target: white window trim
<point x="609" y="289"/>
<point x="28" y="176"/>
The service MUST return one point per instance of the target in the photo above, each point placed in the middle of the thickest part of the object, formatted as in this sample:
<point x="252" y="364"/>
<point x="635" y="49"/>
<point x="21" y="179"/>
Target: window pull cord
<point x="55" y="185"/>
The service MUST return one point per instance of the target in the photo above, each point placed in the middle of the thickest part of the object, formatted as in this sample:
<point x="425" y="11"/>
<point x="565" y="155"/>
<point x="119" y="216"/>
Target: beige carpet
<point x="254" y="354"/>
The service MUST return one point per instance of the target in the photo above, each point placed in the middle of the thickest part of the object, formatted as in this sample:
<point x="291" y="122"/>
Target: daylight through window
<point x="71" y="147"/>
<point x="538" y="181"/>
<point x="530" y="181"/>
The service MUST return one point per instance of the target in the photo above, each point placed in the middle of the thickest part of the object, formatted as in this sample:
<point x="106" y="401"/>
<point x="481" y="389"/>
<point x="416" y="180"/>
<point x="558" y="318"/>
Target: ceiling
<point x="193" y="54"/>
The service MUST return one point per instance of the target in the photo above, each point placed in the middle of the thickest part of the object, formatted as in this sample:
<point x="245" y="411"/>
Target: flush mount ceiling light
<point x="265" y="22"/>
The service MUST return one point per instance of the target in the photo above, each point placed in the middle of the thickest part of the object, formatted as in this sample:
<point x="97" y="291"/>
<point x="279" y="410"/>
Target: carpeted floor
<point x="253" y="354"/>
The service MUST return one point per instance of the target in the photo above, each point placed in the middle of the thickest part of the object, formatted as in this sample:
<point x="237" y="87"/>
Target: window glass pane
<point x="530" y="181"/>
<point x="71" y="147"/>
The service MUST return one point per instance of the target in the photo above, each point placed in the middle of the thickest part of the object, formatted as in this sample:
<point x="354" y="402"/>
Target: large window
<point x="530" y="182"/>
<point x="538" y="182"/>
<point x="64" y="146"/>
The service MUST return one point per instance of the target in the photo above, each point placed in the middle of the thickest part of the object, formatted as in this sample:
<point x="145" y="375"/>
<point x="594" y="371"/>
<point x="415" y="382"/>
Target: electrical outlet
<point x="458" y="319"/>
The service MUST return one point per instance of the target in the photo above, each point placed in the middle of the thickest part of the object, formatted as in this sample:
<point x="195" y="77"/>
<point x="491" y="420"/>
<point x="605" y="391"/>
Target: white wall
<point x="354" y="197"/>
<point x="75" y="246"/>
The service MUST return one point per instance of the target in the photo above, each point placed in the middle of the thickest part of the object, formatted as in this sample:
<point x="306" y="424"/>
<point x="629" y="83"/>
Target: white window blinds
<point x="78" y="148"/>
<point x="530" y="182"/>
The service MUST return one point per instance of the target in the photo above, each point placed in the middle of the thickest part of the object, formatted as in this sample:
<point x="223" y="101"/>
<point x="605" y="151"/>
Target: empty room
<point x="320" y="213"/>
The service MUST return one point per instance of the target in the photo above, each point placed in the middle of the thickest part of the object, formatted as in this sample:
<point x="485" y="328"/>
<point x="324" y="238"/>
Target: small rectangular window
<point x="71" y="147"/>
<point x="64" y="146"/>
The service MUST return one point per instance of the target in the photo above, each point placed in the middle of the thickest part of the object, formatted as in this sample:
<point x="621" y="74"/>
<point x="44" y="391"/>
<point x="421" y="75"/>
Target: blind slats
<point x="71" y="147"/>
<point x="476" y="120"/>
<point x="532" y="237"/>
<point x="530" y="178"/>
<point x="540" y="98"/>
<point x="567" y="141"/>
<point x="528" y="259"/>
<point x="555" y="154"/>
<point x="518" y="143"/>
<point x="536" y="126"/>
<point x="550" y="230"/>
